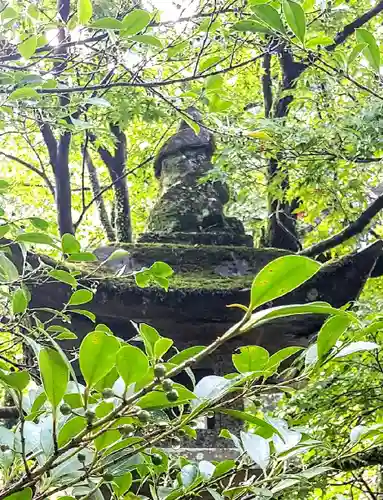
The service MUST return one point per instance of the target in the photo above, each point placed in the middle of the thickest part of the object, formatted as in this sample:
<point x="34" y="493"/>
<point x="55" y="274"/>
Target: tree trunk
<point x="282" y="232"/>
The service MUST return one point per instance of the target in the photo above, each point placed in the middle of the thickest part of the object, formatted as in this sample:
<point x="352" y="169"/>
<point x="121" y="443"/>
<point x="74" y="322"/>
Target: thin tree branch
<point x="348" y="232"/>
<point x="30" y="167"/>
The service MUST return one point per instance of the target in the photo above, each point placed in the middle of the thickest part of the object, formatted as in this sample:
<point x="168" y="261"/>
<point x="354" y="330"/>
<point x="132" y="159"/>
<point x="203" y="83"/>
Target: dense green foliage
<point x="89" y="90"/>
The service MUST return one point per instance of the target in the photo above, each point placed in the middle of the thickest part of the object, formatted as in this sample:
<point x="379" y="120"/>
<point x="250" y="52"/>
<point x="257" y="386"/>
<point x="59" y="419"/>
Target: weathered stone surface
<point x="190" y="209"/>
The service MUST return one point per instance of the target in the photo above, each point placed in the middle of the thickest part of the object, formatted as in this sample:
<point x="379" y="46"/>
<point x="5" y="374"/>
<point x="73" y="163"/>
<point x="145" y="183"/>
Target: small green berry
<point x="65" y="409"/>
<point x="167" y="384"/>
<point x="157" y="459"/>
<point x="172" y="395"/>
<point x="126" y="429"/>
<point x="108" y="477"/>
<point x="107" y="394"/>
<point x="159" y="371"/>
<point x="81" y="457"/>
<point x="90" y="415"/>
<point x="143" y="416"/>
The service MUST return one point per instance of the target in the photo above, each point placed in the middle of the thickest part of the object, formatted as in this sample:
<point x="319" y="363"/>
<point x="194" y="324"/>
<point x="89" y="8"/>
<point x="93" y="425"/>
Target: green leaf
<point x="295" y="18"/>
<point x="357" y="347"/>
<point x="330" y="332"/>
<point x="39" y="223"/>
<point x="16" y="380"/>
<point x="107" y="23"/>
<point x="143" y="278"/>
<point x="269" y="16"/>
<point x="161" y="270"/>
<point x="55" y="375"/>
<point x="277" y="358"/>
<point x="258" y="448"/>
<point x="147" y="40"/>
<point x="82" y="257"/>
<point x="85" y="313"/>
<point x="19" y="302"/>
<point x="8" y="13"/>
<point x="173" y="50"/>
<point x="214" y="82"/>
<point x="268" y="429"/>
<point x="71" y="429"/>
<point x="135" y="21"/>
<point x="261" y="317"/>
<point x="122" y="484"/>
<point x="150" y="337"/>
<point x="156" y="400"/>
<point x="4" y="228"/>
<point x="251" y="26"/>
<point x="189" y="474"/>
<point x="186" y="354"/>
<point x="132" y="364"/>
<point x="84" y="11"/>
<point x="106" y="439"/>
<point x="8" y="270"/>
<point x="24" y="93"/>
<point x="99" y="101"/>
<point x="66" y="335"/>
<point x="25" y="494"/>
<point x="319" y="40"/>
<point x="37" y="238"/>
<point x="208" y="62"/>
<point x="251" y="359"/>
<point x="28" y="47"/>
<point x="280" y="277"/>
<point x="69" y="244"/>
<point x="97" y="356"/>
<point x="64" y="277"/>
<point x="162" y="346"/>
<point x="80" y="297"/>
<point x="371" y="51"/>
<point x="356" y="51"/>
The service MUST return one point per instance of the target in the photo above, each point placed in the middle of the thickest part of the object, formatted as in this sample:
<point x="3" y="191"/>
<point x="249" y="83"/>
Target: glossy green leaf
<point x="149" y="336"/>
<point x="80" y="297"/>
<point x="37" y="238"/>
<point x="82" y="257"/>
<point x="277" y="358"/>
<point x="330" y="332"/>
<point x="135" y="21"/>
<point x="28" y="47"/>
<point x="8" y="270"/>
<point x="19" y="302"/>
<point x="97" y="356"/>
<point x="251" y="419"/>
<point x="107" y="23"/>
<point x="268" y="15"/>
<point x="356" y="51"/>
<point x="132" y="364"/>
<point x="147" y="40"/>
<point x="251" y="26"/>
<point x="122" y="484"/>
<point x="64" y="277"/>
<point x="162" y="346"/>
<point x="15" y="380"/>
<point x="39" y="223"/>
<point x="85" y="313"/>
<point x="186" y="354"/>
<point x="280" y="277"/>
<point x="161" y="269"/>
<point x="4" y="228"/>
<point x="295" y="18"/>
<point x="71" y="429"/>
<point x="55" y="375"/>
<point x="106" y="439"/>
<point x="251" y="359"/>
<point x="69" y="244"/>
<point x="261" y="317"/>
<point x="24" y="93"/>
<point x="371" y="51"/>
<point x="84" y="11"/>
<point x="25" y="494"/>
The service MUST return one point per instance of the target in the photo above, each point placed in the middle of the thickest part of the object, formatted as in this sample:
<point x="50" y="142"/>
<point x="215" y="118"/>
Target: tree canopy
<point x="89" y="92"/>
